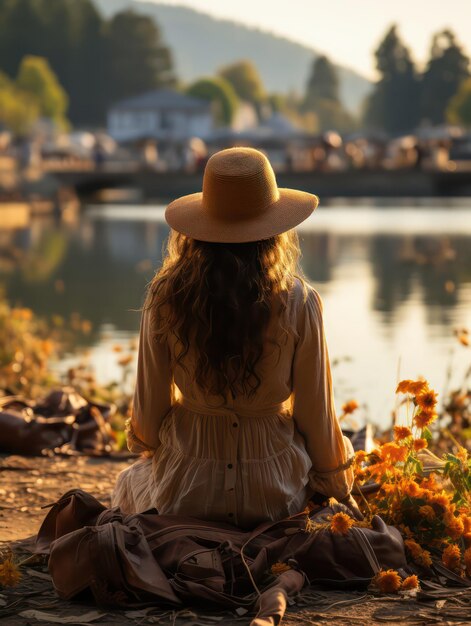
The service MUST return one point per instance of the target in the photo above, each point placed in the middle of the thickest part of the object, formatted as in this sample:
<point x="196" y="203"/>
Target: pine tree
<point x="322" y="97"/>
<point x="323" y="83"/>
<point x="137" y="59"/>
<point x="393" y="104"/>
<point x="447" y="68"/>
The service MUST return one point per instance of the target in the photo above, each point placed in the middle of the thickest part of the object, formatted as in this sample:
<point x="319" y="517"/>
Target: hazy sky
<point x="348" y="30"/>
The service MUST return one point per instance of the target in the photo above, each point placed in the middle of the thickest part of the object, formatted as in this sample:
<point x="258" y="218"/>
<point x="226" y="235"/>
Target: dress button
<point x="230" y="514"/>
<point x="235" y="424"/>
<point x="229" y="465"/>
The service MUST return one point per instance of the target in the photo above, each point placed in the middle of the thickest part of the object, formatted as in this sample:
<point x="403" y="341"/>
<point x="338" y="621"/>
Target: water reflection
<point x="387" y="296"/>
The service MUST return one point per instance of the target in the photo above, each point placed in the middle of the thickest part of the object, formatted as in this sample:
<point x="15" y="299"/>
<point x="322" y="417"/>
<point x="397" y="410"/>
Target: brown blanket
<point x="148" y="559"/>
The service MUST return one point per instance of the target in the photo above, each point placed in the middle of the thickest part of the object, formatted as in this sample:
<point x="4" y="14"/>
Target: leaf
<point x="53" y="618"/>
<point x="427" y="434"/>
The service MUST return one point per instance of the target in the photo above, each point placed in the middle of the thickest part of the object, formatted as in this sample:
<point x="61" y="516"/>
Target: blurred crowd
<point x="435" y="149"/>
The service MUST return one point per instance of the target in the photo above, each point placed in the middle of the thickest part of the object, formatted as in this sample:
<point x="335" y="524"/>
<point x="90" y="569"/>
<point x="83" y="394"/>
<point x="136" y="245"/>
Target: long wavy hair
<point x="218" y="298"/>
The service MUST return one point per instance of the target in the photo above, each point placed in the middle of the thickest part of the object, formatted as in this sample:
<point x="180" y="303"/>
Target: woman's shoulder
<point x="305" y="296"/>
<point x="303" y="307"/>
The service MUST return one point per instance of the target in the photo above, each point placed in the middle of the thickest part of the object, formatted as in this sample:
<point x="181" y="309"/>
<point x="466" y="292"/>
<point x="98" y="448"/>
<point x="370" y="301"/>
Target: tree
<point x="137" y="59"/>
<point x="394" y="103"/>
<point x="322" y="97"/>
<point x="221" y="93"/>
<point x="459" y="108"/>
<point x="77" y="54"/>
<point x="96" y="61"/>
<point x="323" y="82"/>
<point x="36" y="79"/>
<point x="19" y="32"/>
<point x="447" y="68"/>
<point x="18" y="111"/>
<point x="245" y="80"/>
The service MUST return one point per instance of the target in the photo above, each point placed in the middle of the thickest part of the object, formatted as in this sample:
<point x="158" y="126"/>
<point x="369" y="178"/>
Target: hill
<point x="201" y="44"/>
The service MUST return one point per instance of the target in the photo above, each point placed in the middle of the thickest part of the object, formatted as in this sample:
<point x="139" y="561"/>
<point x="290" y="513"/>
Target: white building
<point x="163" y="115"/>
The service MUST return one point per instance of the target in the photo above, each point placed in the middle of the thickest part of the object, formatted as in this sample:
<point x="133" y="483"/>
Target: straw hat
<point x="240" y="201"/>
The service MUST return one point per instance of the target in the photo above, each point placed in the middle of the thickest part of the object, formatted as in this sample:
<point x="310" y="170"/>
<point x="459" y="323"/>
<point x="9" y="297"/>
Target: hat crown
<point x="238" y="183"/>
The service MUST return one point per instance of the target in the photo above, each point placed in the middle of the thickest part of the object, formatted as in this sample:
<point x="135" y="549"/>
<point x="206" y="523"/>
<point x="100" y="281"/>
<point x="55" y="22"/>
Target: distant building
<point x="162" y="115"/>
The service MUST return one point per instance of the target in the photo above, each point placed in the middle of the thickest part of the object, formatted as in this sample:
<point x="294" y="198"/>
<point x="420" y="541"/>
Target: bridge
<point x="352" y="183"/>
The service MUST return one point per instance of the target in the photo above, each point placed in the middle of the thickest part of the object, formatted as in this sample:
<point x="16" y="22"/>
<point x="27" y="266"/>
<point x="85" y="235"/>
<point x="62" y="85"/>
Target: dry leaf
<point x="53" y="618"/>
<point x="41" y="575"/>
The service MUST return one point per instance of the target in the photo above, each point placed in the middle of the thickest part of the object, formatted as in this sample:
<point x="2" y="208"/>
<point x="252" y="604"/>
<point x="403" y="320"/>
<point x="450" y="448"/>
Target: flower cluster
<point x="428" y="498"/>
<point x="9" y="573"/>
<point x="390" y="581"/>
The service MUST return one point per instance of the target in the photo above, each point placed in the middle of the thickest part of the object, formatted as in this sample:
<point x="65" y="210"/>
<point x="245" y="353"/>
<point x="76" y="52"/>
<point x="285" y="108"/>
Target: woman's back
<point x="241" y="459"/>
<point x="273" y="368"/>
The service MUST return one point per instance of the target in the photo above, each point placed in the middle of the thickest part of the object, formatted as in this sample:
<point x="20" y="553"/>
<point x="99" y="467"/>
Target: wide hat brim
<point x="188" y="216"/>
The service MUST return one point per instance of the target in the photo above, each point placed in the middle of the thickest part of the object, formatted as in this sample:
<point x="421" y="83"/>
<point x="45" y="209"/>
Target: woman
<point x="233" y="409"/>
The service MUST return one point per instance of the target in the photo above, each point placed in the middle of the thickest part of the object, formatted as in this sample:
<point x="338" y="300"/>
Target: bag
<point x="63" y="422"/>
<point x="170" y="559"/>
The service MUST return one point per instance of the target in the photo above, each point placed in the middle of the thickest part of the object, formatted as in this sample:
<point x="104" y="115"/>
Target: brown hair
<point x="219" y="297"/>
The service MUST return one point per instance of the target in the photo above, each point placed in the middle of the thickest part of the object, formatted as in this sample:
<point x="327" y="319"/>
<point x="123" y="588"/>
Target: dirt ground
<point x="28" y="484"/>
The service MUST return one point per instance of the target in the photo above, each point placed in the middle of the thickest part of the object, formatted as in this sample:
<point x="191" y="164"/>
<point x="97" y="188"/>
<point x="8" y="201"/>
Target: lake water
<point x="395" y="280"/>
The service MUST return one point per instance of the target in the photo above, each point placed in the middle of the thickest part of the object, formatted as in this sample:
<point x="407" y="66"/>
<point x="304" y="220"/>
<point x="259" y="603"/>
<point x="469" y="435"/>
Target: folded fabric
<point x="63" y="421"/>
<point x="147" y="558"/>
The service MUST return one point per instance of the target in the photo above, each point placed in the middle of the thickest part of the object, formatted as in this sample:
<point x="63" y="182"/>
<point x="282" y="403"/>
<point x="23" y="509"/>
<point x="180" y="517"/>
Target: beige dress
<point x="244" y="460"/>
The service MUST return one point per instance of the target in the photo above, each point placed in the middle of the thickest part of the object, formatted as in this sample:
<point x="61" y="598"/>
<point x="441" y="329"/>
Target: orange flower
<point x="388" y="581"/>
<point x="454" y="525"/>
<point x="466" y="519"/>
<point x="427" y="400"/>
<point x="361" y="474"/>
<point x="411" y="488"/>
<point x="388" y="487"/>
<point x="419" y="555"/>
<point x="462" y="454"/>
<point x="418" y="386"/>
<point x="125" y="360"/>
<point x="424" y="418"/>
<point x="341" y="523"/>
<point x="429" y="482"/>
<point x="451" y="557"/>
<point x="403" y="386"/>
<point x="424" y="558"/>
<point x="427" y="512"/>
<point x="279" y="568"/>
<point x="463" y="336"/>
<point x="411" y="582"/>
<point x="467" y="561"/>
<point x="419" y="444"/>
<point x="350" y="407"/>
<point x="441" y="499"/>
<point x="360" y="457"/>
<point x="9" y="573"/>
<point x="411" y="386"/>
<point x="414" y="548"/>
<point x="401" y="432"/>
<point x="22" y="314"/>
<point x="394" y="452"/>
<point x="407" y="531"/>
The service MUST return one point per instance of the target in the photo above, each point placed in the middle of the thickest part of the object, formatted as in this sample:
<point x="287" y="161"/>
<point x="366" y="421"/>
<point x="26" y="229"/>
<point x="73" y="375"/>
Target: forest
<point x="88" y="62"/>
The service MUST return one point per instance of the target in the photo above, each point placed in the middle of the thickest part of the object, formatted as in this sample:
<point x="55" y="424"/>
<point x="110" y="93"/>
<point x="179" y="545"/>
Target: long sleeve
<point x="153" y="391"/>
<point x="313" y="405"/>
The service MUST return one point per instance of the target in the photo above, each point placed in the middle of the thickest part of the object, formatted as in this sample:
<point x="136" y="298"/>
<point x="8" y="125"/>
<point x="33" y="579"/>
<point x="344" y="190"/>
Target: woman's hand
<point x="350" y="503"/>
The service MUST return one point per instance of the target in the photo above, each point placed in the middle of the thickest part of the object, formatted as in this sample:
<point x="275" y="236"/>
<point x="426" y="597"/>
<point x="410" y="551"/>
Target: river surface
<point x="395" y="279"/>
